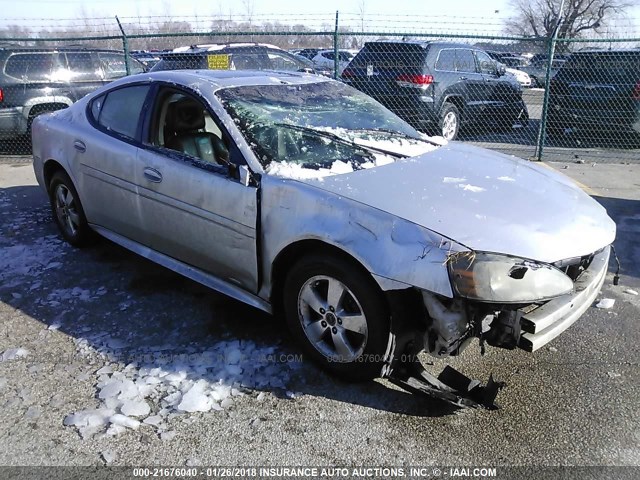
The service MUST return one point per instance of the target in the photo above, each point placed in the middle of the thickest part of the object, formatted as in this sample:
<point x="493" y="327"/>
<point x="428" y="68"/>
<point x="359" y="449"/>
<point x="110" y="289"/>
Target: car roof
<point x="228" y="78"/>
<point x="592" y="51"/>
<point x="426" y="43"/>
<point x="58" y="48"/>
<point x="213" y="47"/>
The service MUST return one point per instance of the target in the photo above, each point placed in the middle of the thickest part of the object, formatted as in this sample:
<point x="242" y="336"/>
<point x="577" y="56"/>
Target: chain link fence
<point x="536" y="98"/>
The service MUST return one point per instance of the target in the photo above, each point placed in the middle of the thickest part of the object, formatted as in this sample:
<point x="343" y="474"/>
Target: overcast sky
<point x="32" y="12"/>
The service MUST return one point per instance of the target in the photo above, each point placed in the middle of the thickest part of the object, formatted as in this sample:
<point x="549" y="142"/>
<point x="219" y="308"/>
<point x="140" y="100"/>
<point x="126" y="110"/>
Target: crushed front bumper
<point x="546" y="322"/>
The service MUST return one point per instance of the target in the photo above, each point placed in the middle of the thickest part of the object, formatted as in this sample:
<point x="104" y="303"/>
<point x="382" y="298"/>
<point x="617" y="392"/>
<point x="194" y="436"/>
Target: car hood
<point x="485" y="201"/>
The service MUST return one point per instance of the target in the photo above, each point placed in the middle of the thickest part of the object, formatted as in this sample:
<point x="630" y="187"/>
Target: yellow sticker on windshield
<point x="219" y="61"/>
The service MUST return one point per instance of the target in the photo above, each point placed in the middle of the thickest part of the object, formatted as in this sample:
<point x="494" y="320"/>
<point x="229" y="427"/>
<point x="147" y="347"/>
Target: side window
<point x="182" y="123"/>
<point x="113" y="65"/>
<point x="30" y="66"/>
<point x="465" y="61"/>
<point x="120" y="110"/>
<point x="279" y="61"/>
<point x="247" y="61"/>
<point x="82" y="66"/>
<point x="446" y="60"/>
<point x="135" y="66"/>
<point x="96" y="106"/>
<point x="485" y="64"/>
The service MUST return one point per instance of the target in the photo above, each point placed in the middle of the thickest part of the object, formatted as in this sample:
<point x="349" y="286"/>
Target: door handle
<point x="152" y="175"/>
<point x="80" y="146"/>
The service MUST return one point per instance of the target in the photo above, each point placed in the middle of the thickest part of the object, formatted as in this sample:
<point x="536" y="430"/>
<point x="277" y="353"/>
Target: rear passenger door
<point x="475" y="85"/>
<point x="106" y="156"/>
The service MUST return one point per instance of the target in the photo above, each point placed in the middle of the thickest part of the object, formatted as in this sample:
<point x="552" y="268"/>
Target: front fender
<point x="397" y="253"/>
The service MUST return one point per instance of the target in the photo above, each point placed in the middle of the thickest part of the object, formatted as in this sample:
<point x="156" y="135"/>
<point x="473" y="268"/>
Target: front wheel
<point x="67" y="211"/>
<point x="450" y="121"/>
<point x="338" y="315"/>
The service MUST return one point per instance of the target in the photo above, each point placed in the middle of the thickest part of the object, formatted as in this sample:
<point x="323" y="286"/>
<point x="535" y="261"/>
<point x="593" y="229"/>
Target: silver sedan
<point x="302" y="196"/>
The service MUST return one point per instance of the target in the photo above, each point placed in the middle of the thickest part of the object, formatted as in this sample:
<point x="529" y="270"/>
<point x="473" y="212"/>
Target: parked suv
<point x="38" y="80"/>
<point x="438" y="86"/>
<point x="597" y="90"/>
<point x="234" y="56"/>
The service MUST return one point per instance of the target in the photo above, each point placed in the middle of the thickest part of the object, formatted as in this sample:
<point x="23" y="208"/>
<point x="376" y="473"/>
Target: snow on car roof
<point x="228" y="78"/>
<point x="212" y="47"/>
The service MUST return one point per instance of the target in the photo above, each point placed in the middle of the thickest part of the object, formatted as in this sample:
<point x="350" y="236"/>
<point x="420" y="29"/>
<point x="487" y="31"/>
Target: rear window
<point x="614" y="67"/>
<point x="30" y="66"/>
<point x="391" y="55"/>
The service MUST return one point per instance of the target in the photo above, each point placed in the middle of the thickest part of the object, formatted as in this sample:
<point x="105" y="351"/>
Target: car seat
<point x="185" y="133"/>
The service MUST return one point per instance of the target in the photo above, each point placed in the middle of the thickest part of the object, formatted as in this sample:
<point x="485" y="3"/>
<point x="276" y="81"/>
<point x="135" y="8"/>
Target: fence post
<point x="336" y="64"/>
<point x="542" y="133"/>
<point x="125" y="47"/>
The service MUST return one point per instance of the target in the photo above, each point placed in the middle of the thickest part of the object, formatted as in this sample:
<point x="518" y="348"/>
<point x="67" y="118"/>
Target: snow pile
<point x="399" y="145"/>
<point x="395" y="144"/>
<point x="605" y="303"/>
<point x="168" y="385"/>
<point x="298" y="172"/>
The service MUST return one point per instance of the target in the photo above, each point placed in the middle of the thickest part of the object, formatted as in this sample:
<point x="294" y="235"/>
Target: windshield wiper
<point x="390" y="132"/>
<point x="337" y="138"/>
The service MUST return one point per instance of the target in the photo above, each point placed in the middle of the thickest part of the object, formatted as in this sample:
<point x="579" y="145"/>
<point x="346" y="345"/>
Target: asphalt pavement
<point x="67" y="316"/>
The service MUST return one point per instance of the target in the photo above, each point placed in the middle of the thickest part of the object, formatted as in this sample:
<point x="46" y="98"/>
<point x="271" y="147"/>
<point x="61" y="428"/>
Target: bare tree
<point x="539" y="17"/>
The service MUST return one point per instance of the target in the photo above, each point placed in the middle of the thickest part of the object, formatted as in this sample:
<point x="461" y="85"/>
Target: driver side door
<point x="192" y="208"/>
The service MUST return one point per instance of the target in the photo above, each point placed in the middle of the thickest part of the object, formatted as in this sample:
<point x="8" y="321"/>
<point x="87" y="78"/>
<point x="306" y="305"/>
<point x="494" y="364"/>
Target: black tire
<point x="67" y="211"/>
<point x="449" y="121"/>
<point x="310" y="278"/>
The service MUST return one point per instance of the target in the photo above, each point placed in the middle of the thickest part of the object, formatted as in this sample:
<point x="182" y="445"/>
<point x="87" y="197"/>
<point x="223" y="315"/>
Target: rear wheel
<point x="449" y="121"/>
<point x="338" y="315"/>
<point x="67" y="211"/>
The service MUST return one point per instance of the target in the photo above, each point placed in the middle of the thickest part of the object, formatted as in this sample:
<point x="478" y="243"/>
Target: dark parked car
<point x="437" y="86"/>
<point x="538" y="70"/>
<point x="233" y="56"/>
<point x="147" y="58"/>
<point x="597" y="90"/>
<point x="309" y="52"/>
<point x="38" y="80"/>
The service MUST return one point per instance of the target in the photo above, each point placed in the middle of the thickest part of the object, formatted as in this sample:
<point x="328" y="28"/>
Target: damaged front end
<point x="503" y="301"/>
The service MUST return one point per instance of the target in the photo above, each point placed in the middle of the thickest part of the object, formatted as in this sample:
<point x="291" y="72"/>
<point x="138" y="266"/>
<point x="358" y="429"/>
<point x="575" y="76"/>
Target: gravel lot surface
<point x="74" y="322"/>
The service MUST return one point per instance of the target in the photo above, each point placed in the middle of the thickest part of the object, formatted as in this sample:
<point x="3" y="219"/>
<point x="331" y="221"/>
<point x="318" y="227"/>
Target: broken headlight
<point x="498" y="278"/>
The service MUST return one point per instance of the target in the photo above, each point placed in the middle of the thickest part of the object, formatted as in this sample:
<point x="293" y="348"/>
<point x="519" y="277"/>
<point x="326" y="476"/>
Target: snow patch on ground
<point x="30" y="260"/>
<point x="13" y="354"/>
<point x="150" y="393"/>
<point x="606" y="303"/>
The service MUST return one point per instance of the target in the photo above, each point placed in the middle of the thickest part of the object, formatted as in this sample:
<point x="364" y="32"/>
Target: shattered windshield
<point x="319" y="129"/>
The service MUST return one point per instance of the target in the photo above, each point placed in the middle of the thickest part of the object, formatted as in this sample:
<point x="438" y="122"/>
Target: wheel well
<point x="46" y="107"/>
<point x="457" y="101"/>
<point x="292" y="253"/>
<point x="50" y="168"/>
